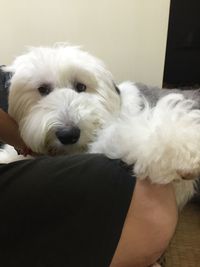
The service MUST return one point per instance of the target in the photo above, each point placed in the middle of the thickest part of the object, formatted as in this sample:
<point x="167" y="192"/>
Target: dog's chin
<point x="65" y="150"/>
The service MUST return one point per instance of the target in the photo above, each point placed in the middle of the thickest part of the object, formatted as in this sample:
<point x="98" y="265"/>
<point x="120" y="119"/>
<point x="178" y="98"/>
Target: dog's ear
<point x="116" y="88"/>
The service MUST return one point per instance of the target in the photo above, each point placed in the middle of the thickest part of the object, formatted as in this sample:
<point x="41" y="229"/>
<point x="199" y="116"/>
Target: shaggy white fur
<point x="65" y="101"/>
<point x="162" y="141"/>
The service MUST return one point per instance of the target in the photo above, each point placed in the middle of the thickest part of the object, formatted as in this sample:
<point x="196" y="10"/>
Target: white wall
<point x="129" y="35"/>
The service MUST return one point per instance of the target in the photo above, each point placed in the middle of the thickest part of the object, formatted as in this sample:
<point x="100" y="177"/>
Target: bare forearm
<point x="149" y="226"/>
<point x="9" y="132"/>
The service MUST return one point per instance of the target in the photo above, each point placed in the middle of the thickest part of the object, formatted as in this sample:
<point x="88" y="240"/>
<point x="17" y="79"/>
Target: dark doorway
<point x="182" y="63"/>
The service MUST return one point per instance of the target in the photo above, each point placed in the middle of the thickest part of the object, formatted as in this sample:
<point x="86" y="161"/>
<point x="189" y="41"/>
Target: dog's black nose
<point x="68" y="135"/>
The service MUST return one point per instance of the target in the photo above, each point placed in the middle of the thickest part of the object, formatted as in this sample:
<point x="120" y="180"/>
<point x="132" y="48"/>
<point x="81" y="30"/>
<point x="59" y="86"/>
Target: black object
<point x="183" y="45"/>
<point x="4" y="86"/>
<point x="63" y="211"/>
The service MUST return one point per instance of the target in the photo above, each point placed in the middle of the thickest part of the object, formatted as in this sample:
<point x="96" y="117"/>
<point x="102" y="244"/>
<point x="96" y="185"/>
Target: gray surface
<point x="154" y="93"/>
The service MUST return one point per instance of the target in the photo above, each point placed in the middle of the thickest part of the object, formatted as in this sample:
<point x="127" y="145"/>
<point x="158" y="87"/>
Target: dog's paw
<point x="172" y="150"/>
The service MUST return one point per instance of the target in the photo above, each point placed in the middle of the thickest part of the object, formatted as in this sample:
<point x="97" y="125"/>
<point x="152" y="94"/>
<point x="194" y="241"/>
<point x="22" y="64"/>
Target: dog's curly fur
<point x="62" y="88"/>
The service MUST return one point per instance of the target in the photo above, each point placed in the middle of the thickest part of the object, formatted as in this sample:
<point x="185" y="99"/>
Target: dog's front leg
<point x="163" y="143"/>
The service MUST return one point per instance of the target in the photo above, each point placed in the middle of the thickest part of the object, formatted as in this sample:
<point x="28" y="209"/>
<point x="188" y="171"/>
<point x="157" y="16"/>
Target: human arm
<point x="149" y="225"/>
<point x="9" y="133"/>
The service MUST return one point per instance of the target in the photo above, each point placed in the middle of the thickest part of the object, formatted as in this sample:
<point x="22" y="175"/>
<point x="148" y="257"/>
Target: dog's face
<point x="60" y="98"/>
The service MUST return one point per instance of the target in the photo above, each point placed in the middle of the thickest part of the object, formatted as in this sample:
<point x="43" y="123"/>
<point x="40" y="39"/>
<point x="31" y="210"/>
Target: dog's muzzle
<point x="68" y="135"/>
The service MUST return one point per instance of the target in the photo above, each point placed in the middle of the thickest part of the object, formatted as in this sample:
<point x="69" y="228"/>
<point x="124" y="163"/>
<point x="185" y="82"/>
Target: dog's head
<point x="60" y="97"/>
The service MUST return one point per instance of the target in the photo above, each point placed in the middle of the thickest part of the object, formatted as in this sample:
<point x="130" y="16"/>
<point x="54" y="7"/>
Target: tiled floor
<point x="184" y="250"/>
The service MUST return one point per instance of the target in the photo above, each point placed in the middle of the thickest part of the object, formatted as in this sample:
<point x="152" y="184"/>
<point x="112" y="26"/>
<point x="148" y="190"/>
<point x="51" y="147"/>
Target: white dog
<point x="65" y="101"/>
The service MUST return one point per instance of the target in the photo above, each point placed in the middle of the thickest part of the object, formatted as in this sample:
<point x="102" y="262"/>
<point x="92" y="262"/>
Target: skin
<point x="149" y="225"/>
<point x="9" y="134"/>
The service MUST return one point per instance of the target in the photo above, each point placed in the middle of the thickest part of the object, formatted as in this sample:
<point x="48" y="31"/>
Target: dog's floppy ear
<point x="116" y="88"/>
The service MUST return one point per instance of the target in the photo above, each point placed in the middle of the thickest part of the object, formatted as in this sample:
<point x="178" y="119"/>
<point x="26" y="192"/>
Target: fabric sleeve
<point x="66" y="211"/>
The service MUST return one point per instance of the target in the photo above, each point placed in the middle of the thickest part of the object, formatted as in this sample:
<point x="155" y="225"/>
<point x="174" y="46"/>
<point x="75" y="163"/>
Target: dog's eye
<point x="44" y="89"/>
<point x="80" y="87"/>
